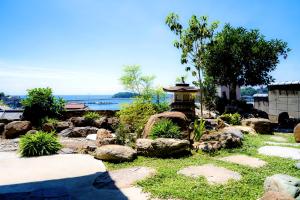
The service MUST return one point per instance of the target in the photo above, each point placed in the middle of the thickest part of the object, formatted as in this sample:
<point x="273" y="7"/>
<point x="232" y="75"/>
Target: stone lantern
<point x="184" y="98"/>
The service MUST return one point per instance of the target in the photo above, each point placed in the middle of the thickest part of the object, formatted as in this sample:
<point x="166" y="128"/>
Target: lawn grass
<point x="168" y="184"/>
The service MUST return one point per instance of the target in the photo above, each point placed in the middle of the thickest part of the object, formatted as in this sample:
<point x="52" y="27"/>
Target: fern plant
<point x="165" y="128"/>
<point x="39" y="144"/>
<point x="199" y="128"/>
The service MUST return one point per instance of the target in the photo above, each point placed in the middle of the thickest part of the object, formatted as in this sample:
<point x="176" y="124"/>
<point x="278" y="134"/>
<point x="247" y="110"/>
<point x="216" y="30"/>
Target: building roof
<point x="260" y="95"/>
<point x="285" y="85"/>
<point x="181" y="87"/>
<point x="75" y="106"/>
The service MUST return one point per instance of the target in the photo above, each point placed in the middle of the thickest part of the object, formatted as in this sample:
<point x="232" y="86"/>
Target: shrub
<point x="52" y="121"/>
<point x="40" y="103"/>
<point x="233" y="119"/>
<point x="165" y="128"/>
<point x="134" y="116"/>
<point x="91" y="116"/>
<point x="161" y="107"/>
<point x="199" y="128"/>
<point x="39" y="144"/>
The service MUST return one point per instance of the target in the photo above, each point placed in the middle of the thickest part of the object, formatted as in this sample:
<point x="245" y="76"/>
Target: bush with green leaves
<point x="134" y="116"/>
<point x="40" y="103"/>
<point x="39" y="144"/>
<point x="51" y="121"/>
<point x="233" y="119"/>
<point x="165" y="128"/>
<point x="91" y="116"/>
<point x="199" y="129"/>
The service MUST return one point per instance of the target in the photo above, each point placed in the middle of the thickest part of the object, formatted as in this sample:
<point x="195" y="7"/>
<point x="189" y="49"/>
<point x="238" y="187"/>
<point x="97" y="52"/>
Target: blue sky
<point x="80" y="46"/>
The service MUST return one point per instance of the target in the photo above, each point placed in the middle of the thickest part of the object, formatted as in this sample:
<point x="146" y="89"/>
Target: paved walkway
<point x="65" y="177"/>
<point x="283" y="152"/>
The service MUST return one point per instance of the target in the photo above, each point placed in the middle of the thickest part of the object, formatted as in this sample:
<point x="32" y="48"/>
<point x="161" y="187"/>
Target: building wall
<point x="284" y="101"/>
<point x="222" y="89"/>
<point x="261" y="104"/>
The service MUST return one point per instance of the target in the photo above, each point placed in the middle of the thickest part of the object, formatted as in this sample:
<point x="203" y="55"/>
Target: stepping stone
<point x="283" y="152"/>
<point x="122" y="178"/>
<point x="297" y="165"/>
<point x="245" y="160"/>
<point x="283" y="144"/>
<point x="278" y="139"/>
<point x="212" y="173"/>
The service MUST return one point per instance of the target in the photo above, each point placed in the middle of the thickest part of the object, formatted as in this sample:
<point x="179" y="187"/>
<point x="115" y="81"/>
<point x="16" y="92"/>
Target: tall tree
<point x="193" y="42"/>
<point x="240" y="57"/>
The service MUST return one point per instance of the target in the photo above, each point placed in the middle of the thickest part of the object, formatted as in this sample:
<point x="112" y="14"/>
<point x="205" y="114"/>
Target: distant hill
<point x="124" y="95"/>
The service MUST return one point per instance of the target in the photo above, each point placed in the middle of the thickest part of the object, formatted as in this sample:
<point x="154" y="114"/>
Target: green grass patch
<point x="168" y="184"/>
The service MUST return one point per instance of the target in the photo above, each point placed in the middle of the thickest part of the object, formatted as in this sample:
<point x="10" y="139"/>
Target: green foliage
<point x="91" y="116"/>
<point x="39" y="144"/>
<point x="242" y="57"/>
<point x="248" y="91"/>
<point x="233" y="119"/>
<point x="135" y="81"/>
<point x="134" y="116"/>
<point x="40" y="103"/>
<point x="209" y="91"/>
<point x="193" y="42"/>
<point x="199" y="129"/>
<point x="52" y="121"/>
<point x="165" y="128"/>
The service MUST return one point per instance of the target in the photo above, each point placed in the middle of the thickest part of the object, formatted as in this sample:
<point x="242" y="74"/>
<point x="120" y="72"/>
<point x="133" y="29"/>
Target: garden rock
<point x="214" y="142"/>
<point x="31" y="132"/>
<point x="246" y="130"/>
<point x="122" y="178"/>
<point x="260" y="125"/>
<point x="178" y="118"/>
<point x="271" y="195"/>
<point x="297" y="133"/>
<point x="212" y="173"/>
<point x="162" y="147"/>
<point x="105" y="137"/>
<point x="16" y="128"/>
<point x="79" y="121"/>
<point x="244" y="160"/>
<point x="284" y="184"/>
<point x="78" y="131"/>
<point x="214" y="124"/>
<point x="92" y="137"/>
<point x="63" y="125"/>
<point x="234" y="131"/>
<point x="115" y="153"/>
<point x="297" y="165"/>
<point x="48" y="127"/>
<point x="283" y="152"/>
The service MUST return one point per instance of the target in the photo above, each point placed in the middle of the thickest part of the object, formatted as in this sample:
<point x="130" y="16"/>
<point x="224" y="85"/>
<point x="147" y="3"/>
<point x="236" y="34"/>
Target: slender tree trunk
<point x="232" y="91"/>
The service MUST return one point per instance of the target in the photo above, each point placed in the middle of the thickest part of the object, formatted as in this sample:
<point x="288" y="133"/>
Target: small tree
<point x="210" y="91"/>
<point x="240" y="57"/>
<point x="134" y="81"/>
<point x="193" y="42"/>
<point x="40" y="103"/>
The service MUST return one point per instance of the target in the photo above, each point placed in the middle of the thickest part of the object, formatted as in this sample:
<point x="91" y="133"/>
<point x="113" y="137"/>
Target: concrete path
<point x="244" y="160"/>
<point x="283" y="152"/>
<point x="213" y="174"/>
<point x="278" y="139"/>
<point x="66" y="177"/>
<point x="283" y="144"/>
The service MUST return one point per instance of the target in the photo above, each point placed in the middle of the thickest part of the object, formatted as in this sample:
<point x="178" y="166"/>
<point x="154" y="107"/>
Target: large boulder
<point x="246" y="130"/>
<point x="178" y="118"/>
<point x="2" y="125"/>
<point x="62" y="125"/>
<point x="162" y="147"/>
<point x="297" y="133"/>
<point x="284" y="184"/>
<point x="16" y="128"/>
<point x="48" y="127"/>
<point x="78" y="131"/>
<point x="260" y="125"/>
<point x="234" y="131"/>
<point x="79" y="121"/>
<point x="217" y="141"/>
<point x="105" y="137"/>
<point x="115" y="153"/>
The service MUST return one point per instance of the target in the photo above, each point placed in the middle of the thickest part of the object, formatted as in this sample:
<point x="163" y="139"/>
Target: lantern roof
<point x="181" y="87"/>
